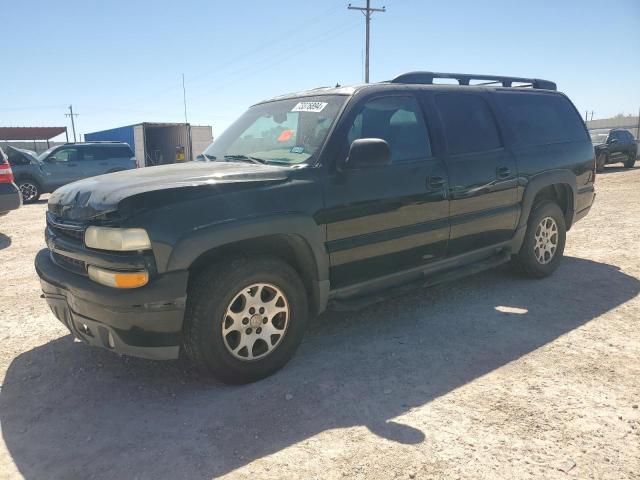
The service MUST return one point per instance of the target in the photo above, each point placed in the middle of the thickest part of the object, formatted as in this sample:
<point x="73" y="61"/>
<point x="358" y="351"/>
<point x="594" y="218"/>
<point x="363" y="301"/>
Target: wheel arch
<point x="559" y="186"/>
<point x="296" y="241"/>
<point x="27" y="176"/>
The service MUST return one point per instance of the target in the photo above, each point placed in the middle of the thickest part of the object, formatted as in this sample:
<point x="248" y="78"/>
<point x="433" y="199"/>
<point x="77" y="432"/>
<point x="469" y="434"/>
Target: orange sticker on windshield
<point x="285" y="135"/>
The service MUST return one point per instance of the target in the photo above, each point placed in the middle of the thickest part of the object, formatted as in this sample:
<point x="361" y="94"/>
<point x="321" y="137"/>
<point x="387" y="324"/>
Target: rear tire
<point x="29" y="190"/>
<point x="631" y="160"/>
<point x="601" y="161"/>
<point x="544" y="241"/>
<point x="259" y="302"/>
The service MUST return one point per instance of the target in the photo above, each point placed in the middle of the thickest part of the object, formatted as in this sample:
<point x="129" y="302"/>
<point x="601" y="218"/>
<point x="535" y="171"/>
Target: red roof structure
<point x="30" y="133"/>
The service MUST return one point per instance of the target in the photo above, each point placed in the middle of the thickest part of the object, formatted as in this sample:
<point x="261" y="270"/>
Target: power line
<point x="73" y="125"/>
<point x="367" y="11"/>
<point x="247" y="56"/>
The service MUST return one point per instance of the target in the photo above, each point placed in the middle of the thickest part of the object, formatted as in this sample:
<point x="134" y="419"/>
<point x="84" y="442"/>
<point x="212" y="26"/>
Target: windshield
<point x="286" y="132"/>
<point x="44" y="154"/>
<point x="598" y="137"/>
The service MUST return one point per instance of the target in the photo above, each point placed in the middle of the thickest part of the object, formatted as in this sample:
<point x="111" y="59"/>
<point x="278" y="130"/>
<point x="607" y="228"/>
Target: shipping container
<point x="159" y="143"/>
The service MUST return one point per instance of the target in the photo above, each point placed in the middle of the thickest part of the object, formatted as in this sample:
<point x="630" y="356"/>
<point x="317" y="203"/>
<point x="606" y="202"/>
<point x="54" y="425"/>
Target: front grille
<point x="66" y="230"/>
<point x="68" y="263"/>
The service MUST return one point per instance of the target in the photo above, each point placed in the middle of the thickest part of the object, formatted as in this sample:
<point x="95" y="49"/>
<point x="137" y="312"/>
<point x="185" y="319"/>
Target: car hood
<point x="96" y="196"/>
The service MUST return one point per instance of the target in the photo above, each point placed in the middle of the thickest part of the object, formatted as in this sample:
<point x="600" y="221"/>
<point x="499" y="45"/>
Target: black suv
<point x="338" y="196"/>
<point x="613" y="146"/>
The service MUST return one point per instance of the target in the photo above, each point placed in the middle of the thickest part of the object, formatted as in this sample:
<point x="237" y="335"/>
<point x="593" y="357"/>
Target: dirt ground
<point x="493" y="376"/>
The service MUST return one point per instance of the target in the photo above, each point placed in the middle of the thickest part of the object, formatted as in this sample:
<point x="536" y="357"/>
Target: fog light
<point x="114" y="279"/>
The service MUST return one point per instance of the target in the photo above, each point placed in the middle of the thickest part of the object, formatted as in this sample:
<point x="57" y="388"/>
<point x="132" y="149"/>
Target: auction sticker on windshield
<point x="309" y="107"/>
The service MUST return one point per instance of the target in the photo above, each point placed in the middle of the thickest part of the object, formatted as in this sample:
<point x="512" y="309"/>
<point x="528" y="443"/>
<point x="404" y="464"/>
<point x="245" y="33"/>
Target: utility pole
<point x="184" y="99"/>
<point x="366" y="11"/>
<point x="586" y="115"/>
<point x="73" y="125"/>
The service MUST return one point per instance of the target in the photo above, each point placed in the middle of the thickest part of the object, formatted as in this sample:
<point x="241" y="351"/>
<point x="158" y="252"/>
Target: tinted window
<point x="616" y="135"/>
<point x="398" y="120"/>
<point x="93" y="153"/>
<point x="540" y="119"/>
<point x="118" y="151"/>
<point x="105" y="152"/>
<point x="468" y="122"/>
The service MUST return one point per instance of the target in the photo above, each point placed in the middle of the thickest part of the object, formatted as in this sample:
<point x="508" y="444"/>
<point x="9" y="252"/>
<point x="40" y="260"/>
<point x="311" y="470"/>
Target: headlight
<point x="114" y="279"/>
<point x="118" y="239"/>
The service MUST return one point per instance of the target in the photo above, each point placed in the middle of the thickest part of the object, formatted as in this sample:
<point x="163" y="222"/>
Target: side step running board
<point x="356" y="303"/>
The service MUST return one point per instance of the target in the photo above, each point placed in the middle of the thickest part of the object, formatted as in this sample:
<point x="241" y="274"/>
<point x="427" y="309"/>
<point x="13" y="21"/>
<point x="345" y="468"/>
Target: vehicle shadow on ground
<point x="5" y="241"/>
<point x="610" y="169"/>
<point x="70" y="411"/>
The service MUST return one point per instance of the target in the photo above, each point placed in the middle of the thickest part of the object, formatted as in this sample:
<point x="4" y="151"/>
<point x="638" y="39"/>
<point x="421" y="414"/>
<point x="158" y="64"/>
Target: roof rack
<point x="465" y="78"/>
<point x="95" y="141"/>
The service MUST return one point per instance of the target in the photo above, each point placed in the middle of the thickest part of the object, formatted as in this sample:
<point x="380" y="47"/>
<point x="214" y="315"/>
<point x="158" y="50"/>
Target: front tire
<point x="544" y="241"/>
<point x="631" y="160"/>
<point x="601" y="161"/>
<point x="245" y="318"/>
<point x="29" y="189"/>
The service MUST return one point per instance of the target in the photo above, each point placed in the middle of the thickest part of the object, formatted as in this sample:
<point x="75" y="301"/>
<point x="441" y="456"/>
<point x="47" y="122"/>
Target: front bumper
<point x="9" y="197"/>
<point x="142" y="322"/>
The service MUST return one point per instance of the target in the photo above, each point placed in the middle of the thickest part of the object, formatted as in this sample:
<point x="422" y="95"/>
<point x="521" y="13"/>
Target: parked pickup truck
<point x="612" y="146"/>
<point x="334" y="196"/>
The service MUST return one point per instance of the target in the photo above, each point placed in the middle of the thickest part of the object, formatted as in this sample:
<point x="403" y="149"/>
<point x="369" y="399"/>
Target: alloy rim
<point x="255" y="321"/>
<point x="29" y="191"/>
<point x="546" y="238"/>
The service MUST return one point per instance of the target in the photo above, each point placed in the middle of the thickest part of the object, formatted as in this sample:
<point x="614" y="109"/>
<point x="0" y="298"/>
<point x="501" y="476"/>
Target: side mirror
<point x="368" y="152"/>
<point x="613" y="140"/>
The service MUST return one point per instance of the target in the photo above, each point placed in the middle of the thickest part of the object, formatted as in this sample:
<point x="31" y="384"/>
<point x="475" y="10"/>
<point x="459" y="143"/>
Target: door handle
<point x="503" y="172"/>
<point x="435" y="183"/>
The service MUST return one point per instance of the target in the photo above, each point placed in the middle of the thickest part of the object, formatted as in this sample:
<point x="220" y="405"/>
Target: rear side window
<point x="398" y="121"/>
<point x="540" y="119"/>
<point x="468" y="123"/>
<point x="118" y="151"/>
<point x="106" y="152"/>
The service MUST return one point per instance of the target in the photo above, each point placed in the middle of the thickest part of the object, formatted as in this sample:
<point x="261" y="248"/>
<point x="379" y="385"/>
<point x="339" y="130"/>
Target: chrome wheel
<point x="29" y="191"/>
<point x="546" y="240"/>
<point x="255" y="321"/>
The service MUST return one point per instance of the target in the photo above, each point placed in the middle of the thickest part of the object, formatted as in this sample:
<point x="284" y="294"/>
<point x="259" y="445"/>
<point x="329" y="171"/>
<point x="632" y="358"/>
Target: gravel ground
<point x="493" y="376"/>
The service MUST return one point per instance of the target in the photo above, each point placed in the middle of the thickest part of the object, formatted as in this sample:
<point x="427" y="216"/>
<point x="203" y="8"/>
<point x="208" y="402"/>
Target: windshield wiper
<point x="245" y="158"/>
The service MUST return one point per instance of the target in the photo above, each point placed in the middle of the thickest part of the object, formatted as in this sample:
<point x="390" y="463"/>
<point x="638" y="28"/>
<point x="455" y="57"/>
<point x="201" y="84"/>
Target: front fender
<point x="199" y="241"/>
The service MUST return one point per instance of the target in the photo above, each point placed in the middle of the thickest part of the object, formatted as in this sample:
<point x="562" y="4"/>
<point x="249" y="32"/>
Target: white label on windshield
<point x="309" y="107"/>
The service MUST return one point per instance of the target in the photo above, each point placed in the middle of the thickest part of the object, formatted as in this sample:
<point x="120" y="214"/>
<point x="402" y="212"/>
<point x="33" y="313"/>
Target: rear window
<point x="468" y="123"/>
<point x="540" y="119"/>
<point x="106" y="152"/>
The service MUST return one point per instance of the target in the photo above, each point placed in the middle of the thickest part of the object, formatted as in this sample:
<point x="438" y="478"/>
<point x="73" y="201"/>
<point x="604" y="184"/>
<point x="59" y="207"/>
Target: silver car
<point x="64" y="164"/>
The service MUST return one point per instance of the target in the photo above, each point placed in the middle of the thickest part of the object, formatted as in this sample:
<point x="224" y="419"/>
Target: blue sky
<point x="120" y="62"/>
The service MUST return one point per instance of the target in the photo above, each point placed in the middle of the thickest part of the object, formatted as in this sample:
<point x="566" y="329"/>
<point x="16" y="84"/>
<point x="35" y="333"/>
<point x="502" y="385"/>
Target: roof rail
<point x="465" y="78"/>
<point x="95" y="141"/>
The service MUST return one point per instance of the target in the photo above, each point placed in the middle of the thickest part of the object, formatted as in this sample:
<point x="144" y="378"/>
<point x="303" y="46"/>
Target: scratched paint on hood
<point x="98" y="195"/>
